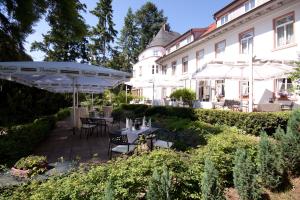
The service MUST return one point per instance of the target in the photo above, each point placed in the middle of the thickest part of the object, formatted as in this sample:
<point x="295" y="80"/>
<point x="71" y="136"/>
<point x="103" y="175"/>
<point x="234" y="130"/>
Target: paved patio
<point x="61" y="143"/>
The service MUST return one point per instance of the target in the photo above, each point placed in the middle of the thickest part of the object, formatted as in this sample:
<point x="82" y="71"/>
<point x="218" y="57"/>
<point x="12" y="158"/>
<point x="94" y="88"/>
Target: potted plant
<point x="29" y="166"/>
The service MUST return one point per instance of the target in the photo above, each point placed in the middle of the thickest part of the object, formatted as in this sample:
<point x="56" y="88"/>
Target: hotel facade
<point x="268" y="31"/>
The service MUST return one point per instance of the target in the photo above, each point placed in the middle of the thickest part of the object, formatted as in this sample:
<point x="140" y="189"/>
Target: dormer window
<point x="177" y="46"/>
<point x="224" y="19"/>
<point x="249" y="5"/>
<point x="188" y="39"/>
<point x="140" y="74"/>
<point x="155" y="53"/>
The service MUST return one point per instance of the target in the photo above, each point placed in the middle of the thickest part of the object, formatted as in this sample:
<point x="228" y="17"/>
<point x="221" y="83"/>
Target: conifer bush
<point x="211" y="187"/>
<point x="245" y="176"/>
<point x="270" y="163"/>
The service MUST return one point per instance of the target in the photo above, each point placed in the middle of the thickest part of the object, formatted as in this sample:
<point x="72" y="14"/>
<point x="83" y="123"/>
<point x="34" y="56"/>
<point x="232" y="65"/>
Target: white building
<point x="268" y="28"/>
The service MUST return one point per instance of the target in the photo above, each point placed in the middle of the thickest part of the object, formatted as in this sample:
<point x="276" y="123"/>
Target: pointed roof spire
<point x="163" y="37"/>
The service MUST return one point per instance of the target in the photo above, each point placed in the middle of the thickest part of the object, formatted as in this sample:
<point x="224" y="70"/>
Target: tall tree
<point x="17" y="18"/>
<point x="66" y="39"/>
<point x="149" y="20"/>
<point x="129" y="39"/>
<point x="103" y="34"/>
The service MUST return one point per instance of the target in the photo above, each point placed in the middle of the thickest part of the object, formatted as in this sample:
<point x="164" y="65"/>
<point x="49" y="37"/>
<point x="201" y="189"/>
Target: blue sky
<point x="182" y="15"/>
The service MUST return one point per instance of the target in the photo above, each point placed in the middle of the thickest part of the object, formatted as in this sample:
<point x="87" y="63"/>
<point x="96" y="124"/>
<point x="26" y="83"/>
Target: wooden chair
<point x="118" y="143"/>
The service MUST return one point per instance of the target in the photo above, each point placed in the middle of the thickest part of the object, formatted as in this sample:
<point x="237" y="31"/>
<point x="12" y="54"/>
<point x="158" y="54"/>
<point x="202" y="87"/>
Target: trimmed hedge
<point x="140" y="110"/>
<point x="251" y="123"/>
<point x="20" y="140"/>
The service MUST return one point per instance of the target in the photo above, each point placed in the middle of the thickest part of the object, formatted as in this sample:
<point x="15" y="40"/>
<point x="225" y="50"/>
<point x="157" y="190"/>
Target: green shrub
<point x="186" y="95"/>
<point x="20" y="140"/>
<point x="210" y="185"/>
<point x="63" y="113"/>
<point x="130" y="178"/>
<point x="289" y="143"/>
<point x="188" y="134"/>
<point x="270" y="163"/>
<point x="245" y="176"/>
<point x="160" y="185"/>
<point x="36" y="164"/>
<point x="220" y="149"/>
<point x="251" y="123"/>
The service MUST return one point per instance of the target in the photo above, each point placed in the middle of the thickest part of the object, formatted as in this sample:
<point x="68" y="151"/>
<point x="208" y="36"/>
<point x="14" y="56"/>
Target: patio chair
<point x="100" y="124"/>
<point x="86" y="126"/>
<point x="164" y="139"/>
<point x="118" y="143"/>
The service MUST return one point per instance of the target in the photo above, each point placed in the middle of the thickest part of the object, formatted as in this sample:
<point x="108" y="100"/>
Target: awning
<point x="261" y="71"/>
<point x="61" y="76"/>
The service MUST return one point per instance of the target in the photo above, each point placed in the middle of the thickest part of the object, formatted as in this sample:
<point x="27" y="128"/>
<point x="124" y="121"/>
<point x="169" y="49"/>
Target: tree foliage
<point x="16" y="25"/>
<point x="103" y="34"/>
<point x="210" y="185"/>
<point x="245" y="176"/>
<point x="129" y="39"/>
<point x="66" y="40"/>
<point x="149" y="20"/>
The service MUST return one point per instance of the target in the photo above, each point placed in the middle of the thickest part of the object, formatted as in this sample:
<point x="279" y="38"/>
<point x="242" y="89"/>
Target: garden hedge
<point x="20" y="140"/>
<point x="251" y="123"/>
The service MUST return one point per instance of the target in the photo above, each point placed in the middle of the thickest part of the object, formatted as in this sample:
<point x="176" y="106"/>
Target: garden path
<point x="62" y="144"/>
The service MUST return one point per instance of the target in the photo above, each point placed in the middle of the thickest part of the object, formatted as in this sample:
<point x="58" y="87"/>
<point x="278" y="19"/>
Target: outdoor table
<point x="134" y="134"/>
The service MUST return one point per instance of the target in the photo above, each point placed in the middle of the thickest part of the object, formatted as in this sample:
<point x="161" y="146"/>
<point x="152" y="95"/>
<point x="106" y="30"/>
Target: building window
<point x="168" y="50"/>
<point x="244" y="87"/>
<point x="224" y="19"/>
<point x="246" y="42"/>
<point x="220" y="49"/>
<point x="174" y="68"/>
<point x="284" y="30"/>
<point x="249" y="5"/>
<point x="199" y="58"/>
<point x="220" y="88"/>
<point x="134" y="73"/>
<point x="155" y="53"/>
<point x="157" y="68"/>
<point x="153" y="69"/>
<point x="164" y="69"/>
<point x="177" y="46"/>
<point x="163" y="93"/>
<point x="283" y="86"/>
<point x="140" y="74"/>
<point x="185" y="64"/>
<point x="188" y="39"/>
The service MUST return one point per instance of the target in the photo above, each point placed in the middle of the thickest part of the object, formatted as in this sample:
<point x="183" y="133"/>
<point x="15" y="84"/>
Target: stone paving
<point x="62" y="144"/>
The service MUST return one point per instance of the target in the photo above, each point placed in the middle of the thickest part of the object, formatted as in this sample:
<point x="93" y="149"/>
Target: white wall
<point x="263" y="48"/>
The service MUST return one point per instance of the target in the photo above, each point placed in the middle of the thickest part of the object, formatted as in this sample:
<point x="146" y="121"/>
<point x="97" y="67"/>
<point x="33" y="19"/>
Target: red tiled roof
<point x="210" y="28"/>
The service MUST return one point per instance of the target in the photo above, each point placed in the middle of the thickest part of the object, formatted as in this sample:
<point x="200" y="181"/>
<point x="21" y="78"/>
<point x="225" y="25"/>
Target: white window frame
<point x="173" y="66"/>
<point x="220" y="84"/>
<point x="178" y="46"/>
<point x="189" y="39"/>
<point x="140" y="71"/>
<point x="155" y="53"/>
<point x="248" y="38"/>
<point x="249" y="5"/>
<point x="164" y="70"/>
<point x="220" y="49"/>
<point x="224" y="19"/>
<point x="185" y="64"/>
<point x="284" y="25"/>
<point x="244" y="86"/>
<point x="199" y="58"/>
<point x="153" y="69"/>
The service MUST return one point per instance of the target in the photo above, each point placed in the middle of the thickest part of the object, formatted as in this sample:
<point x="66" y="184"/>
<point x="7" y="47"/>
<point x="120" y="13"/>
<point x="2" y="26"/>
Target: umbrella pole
<point x="74" y="115"/>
